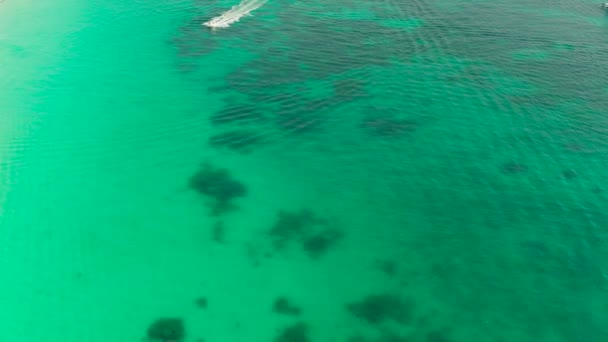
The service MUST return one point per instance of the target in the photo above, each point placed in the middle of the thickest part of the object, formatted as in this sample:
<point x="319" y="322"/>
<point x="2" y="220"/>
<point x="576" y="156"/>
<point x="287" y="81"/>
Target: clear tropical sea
<point x="321" y="171"/>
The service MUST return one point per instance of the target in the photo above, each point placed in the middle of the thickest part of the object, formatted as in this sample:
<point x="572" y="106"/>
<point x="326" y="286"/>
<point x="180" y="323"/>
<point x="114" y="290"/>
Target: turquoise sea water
<point x="371" y="170"/>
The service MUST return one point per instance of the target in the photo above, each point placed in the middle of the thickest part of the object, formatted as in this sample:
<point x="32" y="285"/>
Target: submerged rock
<point x="294" y="333"/>
<point x="291" y="226"/>
<point x="218" y="185"/>
<point x="312" y="234"/>
<point x="376" y="309"/>
<point x="167" y="330"/>
<point x="284" y="307"/>
<point x="319" y="243"/>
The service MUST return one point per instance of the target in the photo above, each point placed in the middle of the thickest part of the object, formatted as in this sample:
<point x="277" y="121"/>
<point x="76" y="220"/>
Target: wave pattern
<point x="235" y="13"/>
<point x="463" y="84"/>
<point x="447" y="156"/>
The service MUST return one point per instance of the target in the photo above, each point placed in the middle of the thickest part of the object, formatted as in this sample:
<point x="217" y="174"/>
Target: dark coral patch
<point x="291" y="226"/>
<point x="167" y="330"/>
<point x="295" y="333"/>
<point x="319" y="243"/>
<point x="380" y="308"/>
<point x="219" y="186"/>
<point x="284" y="307"/>
<point x="312" y="234"/>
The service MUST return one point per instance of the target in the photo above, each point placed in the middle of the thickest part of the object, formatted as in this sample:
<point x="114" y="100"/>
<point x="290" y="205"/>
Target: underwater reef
<point x="291" y="226"/>
<point x="219" y="186"/>
<point x="297" y="332"/>
<point x="317" y="244"/>
<point x="167" y="330"/>
<point x="312" y="234"/>
<point x="283" y="306"/>
<point x="380" y="308"/>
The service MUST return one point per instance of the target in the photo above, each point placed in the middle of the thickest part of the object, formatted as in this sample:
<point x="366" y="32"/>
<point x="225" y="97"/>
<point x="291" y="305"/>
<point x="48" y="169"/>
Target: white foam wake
<point x="235" y="13"/>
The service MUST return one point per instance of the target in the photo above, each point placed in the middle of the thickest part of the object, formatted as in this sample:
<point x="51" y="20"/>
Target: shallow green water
<point x="443" y="162"/>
